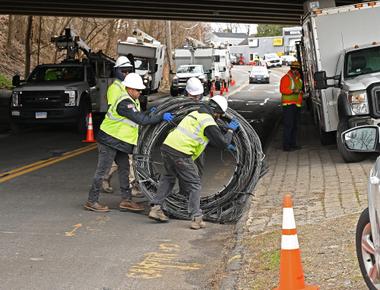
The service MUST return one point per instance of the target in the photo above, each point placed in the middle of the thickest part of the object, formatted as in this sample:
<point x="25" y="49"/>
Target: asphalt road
<point x="49" y="242"/>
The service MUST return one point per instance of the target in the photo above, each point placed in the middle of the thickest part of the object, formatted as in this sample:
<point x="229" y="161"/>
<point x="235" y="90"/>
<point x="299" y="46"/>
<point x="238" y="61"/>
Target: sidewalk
<point x="328" y="196"/>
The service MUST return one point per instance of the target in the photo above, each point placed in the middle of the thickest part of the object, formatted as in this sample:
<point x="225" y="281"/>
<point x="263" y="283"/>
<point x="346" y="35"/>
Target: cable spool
<point x="224" y="206"/>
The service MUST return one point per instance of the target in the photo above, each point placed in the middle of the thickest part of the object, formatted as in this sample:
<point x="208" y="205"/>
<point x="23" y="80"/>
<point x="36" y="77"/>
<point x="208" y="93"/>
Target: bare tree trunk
<point x="39" y="39"/>
<point x="111" y="36"/>
<point x="10" y="33"/>
<point x="28" y="44"/>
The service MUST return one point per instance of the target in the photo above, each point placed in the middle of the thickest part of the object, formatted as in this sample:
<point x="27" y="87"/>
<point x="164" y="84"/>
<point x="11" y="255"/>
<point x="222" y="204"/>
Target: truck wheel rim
<point x="368" y="256"/>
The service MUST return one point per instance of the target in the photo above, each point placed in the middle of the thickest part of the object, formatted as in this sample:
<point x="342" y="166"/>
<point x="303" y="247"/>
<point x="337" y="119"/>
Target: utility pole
<point x="169" y="47"/>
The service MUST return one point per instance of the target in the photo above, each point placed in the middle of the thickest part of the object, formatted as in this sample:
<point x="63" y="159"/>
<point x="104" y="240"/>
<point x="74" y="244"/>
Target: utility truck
<point x="215" y="60"/>
<point x="148" y="57"/>
<point x="340" y="53"/>
<point x="64" y="92"/>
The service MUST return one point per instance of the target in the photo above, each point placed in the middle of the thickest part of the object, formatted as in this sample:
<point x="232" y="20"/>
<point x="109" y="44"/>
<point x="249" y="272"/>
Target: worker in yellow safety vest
<point x="181" y="147"/>
<point x="116" y="139"/>
<point x="291" y="90"/>
<point x="121" y="69"/>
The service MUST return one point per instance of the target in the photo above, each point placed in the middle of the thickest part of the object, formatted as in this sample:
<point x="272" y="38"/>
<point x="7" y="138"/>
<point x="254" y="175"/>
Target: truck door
<point x="337" y="90"/>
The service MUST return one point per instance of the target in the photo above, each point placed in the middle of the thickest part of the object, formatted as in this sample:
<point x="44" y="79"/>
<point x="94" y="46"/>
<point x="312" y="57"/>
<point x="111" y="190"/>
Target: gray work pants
<point x="105" y="158"/>
<point x="113" y="169"/>
<point x="186" y="171"/>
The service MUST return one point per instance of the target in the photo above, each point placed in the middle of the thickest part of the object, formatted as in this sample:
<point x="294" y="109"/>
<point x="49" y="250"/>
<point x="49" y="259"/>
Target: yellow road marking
<point x="155" y="263"/>
<point x="72" y="232"/>
<point x="43" y="163"/>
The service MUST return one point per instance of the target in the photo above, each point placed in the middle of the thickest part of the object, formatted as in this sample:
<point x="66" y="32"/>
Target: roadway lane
<point x="260" y="104"/>
<point x="50" y="242"/>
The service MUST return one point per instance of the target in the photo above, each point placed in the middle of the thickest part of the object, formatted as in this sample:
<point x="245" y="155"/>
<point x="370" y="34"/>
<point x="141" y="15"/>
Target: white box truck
<point x="340" y="54"/>
<point x="148" y="55"/>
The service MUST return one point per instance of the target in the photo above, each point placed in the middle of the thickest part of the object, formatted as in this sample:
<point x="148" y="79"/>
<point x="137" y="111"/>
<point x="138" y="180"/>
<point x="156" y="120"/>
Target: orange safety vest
<point x="288" y="84"/>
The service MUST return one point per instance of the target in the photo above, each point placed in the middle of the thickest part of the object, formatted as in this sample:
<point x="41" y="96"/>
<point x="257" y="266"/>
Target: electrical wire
<point x="224" y="206"/>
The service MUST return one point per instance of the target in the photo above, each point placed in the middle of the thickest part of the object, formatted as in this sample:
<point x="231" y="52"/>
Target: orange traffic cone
<point x="90" y="131"/>
<point x="232" y="82"/>
<point x="222" y="89"/>
<point x="291" y="273"/>
<point x="212" y="89"/>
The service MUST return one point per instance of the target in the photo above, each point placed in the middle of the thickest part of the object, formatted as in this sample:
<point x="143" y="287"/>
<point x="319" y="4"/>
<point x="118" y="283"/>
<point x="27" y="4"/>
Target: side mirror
<point x="361" y="139"/>
<point x="320" y="80"/>
<point x="16" y="80"/>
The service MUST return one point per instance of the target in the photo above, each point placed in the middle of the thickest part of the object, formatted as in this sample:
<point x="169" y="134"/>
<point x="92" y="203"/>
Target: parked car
<point x="259" y="74"/>
<point x="272" y="60"/>
<point x="287" y="59"/>
<point x="365" y="139"/>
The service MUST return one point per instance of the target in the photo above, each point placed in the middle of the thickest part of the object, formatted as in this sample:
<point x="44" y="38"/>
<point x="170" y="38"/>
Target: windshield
<point x="259" y="70"/>
<point x="59" y="73"/>
<point x="141" y="64"/>
<point x="190" y="69"/>
<point x="362" y="61"/>
<point x="271" y="56"/>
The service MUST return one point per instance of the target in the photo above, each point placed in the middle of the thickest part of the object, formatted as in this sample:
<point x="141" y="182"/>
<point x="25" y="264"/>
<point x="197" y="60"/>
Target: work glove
<point x="233" y="125"/>
<point x="153" y="110"/>
<point x="231" y="148"/>
<point x="167" y="117"/>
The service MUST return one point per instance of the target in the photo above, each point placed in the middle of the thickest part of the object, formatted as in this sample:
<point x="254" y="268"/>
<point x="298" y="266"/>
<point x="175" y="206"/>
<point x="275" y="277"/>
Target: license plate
<point x="41" y="115"/>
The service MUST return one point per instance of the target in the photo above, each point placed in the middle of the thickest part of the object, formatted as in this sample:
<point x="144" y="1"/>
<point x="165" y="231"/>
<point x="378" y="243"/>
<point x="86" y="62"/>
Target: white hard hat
<point x="194" y="86"/>
<point x="123" y="61"/>
<point x="221" y="103"/>
<point x="133" y="81"/>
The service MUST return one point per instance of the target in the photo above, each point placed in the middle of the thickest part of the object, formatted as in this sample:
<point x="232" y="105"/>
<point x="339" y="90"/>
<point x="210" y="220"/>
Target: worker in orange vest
<point x="291" y="90"/>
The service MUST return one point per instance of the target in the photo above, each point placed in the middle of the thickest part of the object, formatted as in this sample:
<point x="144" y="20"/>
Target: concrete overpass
<point x="240" y="11"/>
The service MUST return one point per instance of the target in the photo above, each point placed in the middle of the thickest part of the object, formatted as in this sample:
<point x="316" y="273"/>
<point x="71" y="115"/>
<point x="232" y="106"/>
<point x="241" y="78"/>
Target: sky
<point x="236" y="27"/>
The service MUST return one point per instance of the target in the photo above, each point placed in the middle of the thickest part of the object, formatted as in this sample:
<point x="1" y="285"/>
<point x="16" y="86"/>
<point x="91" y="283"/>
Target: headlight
<point x="145" y="81"/>
<point x="15" y="99"/>
<point x="71" y="101"/>
<point x="359" y="102"/>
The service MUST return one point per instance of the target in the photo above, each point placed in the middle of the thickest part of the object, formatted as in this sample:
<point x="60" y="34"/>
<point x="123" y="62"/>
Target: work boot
<point x="157" y="214"/>
<point x="95" y="206"/>
<point x="106" y="186"/>
<point x="127" y="204"/>
<point x="197" y="223"/>
<point x="137" y="193"/>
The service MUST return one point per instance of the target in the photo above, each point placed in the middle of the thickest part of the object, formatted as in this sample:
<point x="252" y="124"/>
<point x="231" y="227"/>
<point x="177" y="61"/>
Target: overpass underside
<point x="239" y="11"/>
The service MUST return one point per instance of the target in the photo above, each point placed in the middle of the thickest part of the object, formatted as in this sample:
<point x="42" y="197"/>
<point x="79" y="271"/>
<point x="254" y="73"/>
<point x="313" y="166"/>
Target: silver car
<point x="259" y="74"/>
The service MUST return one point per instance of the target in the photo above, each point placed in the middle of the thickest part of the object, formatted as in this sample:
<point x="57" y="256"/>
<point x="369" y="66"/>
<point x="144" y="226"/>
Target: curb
<point x="236" y="255"/>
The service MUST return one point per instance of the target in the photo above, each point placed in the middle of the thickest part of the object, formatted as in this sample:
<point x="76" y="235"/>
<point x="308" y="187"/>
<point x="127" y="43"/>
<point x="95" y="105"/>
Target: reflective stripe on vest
<point x="293" y="99"/>
<point x="120" y="127"/>
<point x="188" y="137"/>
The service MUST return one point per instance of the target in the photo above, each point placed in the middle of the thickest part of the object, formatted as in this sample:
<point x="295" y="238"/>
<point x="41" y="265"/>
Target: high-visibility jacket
<point x="188" y="137"/>
<point x="289" y="83"/>
<point x="121" y="127"/>
<point x="115" y="90"/>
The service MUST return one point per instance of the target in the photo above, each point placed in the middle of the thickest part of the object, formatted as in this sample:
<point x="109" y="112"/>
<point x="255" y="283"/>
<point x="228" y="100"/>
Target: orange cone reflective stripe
<point x="291" y="273"/>
<point x="90" y="131"/>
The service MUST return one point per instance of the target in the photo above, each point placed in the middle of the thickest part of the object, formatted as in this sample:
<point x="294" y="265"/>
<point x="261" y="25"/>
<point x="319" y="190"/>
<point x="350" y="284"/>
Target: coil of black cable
<point x="224" y="206"/>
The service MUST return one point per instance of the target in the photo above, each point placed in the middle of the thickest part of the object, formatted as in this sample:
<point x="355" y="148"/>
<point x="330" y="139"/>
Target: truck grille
<point x="182" y="80"/>
<point x="45" y="99"/>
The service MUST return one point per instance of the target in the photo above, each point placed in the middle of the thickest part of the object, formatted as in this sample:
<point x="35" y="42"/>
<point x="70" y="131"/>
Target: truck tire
<point x="173" y="92"/>
<point x="84" y="110"/>
<point x="366" y="260"/>
<point x="347" y="156"/>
